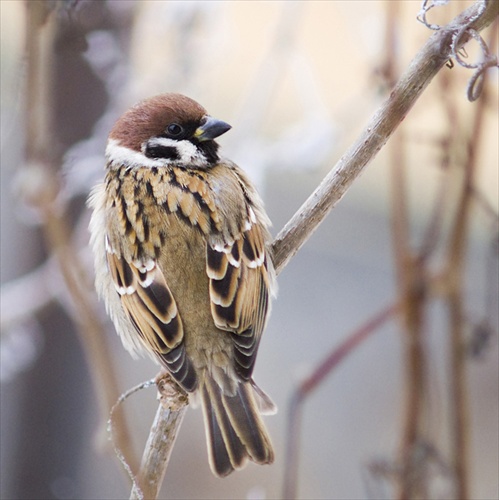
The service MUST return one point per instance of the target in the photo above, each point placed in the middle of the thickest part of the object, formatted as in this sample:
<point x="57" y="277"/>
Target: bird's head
<point x="168" y="129"/>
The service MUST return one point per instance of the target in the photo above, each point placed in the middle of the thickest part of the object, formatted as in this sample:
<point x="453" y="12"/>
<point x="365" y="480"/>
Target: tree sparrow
<point x="181" y="245"/>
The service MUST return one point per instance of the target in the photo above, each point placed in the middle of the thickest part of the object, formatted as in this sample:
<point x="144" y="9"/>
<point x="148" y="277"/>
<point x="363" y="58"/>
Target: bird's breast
<point x="168" y="215"/>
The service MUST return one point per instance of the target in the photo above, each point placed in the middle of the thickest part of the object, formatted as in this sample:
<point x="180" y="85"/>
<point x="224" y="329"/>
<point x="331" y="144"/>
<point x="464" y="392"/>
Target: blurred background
<point x="298" y="81"/>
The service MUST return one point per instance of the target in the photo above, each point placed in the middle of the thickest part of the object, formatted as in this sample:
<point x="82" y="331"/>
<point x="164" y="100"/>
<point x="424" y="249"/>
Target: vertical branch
<point x="457" y="375"/>
<point x="413" y="299"/>
<point x="455" y="303"/>
<point x="38" y="118"/>
<point x="411" y="274"/>
<point x="399" y="211"/>
<point x="41" y="189"/>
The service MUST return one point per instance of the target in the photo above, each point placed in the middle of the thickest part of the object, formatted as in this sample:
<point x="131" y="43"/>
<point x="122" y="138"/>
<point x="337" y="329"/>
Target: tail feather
<point x="245" y="417"/>
<point x="235" y="430"/>
<point x="223" y="459"/>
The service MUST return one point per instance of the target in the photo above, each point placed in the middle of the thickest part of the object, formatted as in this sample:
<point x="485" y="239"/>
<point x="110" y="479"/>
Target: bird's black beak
<point x="211" y="129"/>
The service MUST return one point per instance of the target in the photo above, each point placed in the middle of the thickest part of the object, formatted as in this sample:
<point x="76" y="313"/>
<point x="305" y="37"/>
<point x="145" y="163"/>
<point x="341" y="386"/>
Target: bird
<point x="183" y="263"/>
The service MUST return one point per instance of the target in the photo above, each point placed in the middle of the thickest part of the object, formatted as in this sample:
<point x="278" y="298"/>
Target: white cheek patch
<point x="122" y="156"/>
<point x="187" y="154"/>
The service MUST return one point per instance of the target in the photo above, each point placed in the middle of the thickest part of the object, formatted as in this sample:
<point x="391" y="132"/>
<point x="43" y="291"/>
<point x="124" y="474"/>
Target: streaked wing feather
<point x="146" y="298"/>
<point x="239" y="292"/>
<point x="223" y="291"/>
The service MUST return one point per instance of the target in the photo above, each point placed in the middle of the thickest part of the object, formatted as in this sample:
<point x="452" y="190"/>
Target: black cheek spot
<point x="159" y="151"/>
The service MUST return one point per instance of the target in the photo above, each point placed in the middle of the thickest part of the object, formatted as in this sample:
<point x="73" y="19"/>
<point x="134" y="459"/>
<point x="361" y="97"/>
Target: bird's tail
<point x="235" y="431"/>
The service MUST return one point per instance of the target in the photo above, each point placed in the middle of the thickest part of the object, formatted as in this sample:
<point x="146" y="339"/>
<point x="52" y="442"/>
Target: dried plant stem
<point x="429" y="60"/>
<point x="413" y="296"/>
<point x="42" y="193"/>
<point x="455" y="305"/>
<point x="410" y="278"/>
<point x="457" y="368"/>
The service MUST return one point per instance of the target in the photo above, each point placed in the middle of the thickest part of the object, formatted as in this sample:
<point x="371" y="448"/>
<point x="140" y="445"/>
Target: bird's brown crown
<point x="150" y="117"/>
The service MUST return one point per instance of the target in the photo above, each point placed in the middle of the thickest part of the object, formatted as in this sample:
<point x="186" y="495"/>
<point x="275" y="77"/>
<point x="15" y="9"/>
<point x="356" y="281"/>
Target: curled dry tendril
<point x="486" y="61"/>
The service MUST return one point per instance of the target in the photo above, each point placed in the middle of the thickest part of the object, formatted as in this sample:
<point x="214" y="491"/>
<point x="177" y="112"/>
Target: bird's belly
<point x="205" y="344"/>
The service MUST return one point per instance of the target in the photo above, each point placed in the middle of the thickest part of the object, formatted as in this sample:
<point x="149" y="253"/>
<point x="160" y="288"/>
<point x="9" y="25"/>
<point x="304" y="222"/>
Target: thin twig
<point x="111" y="427"/>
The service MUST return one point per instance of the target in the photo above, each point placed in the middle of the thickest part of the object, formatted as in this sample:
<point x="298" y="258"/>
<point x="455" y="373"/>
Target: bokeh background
<point x="298" y="81"/>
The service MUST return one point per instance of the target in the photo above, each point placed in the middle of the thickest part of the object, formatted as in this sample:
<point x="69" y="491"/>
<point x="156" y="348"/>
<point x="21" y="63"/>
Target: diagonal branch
<point x="427" y="63"/>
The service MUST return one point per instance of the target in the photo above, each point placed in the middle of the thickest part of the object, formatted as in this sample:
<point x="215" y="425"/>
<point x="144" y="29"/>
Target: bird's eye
<point x="174" y="129"/>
